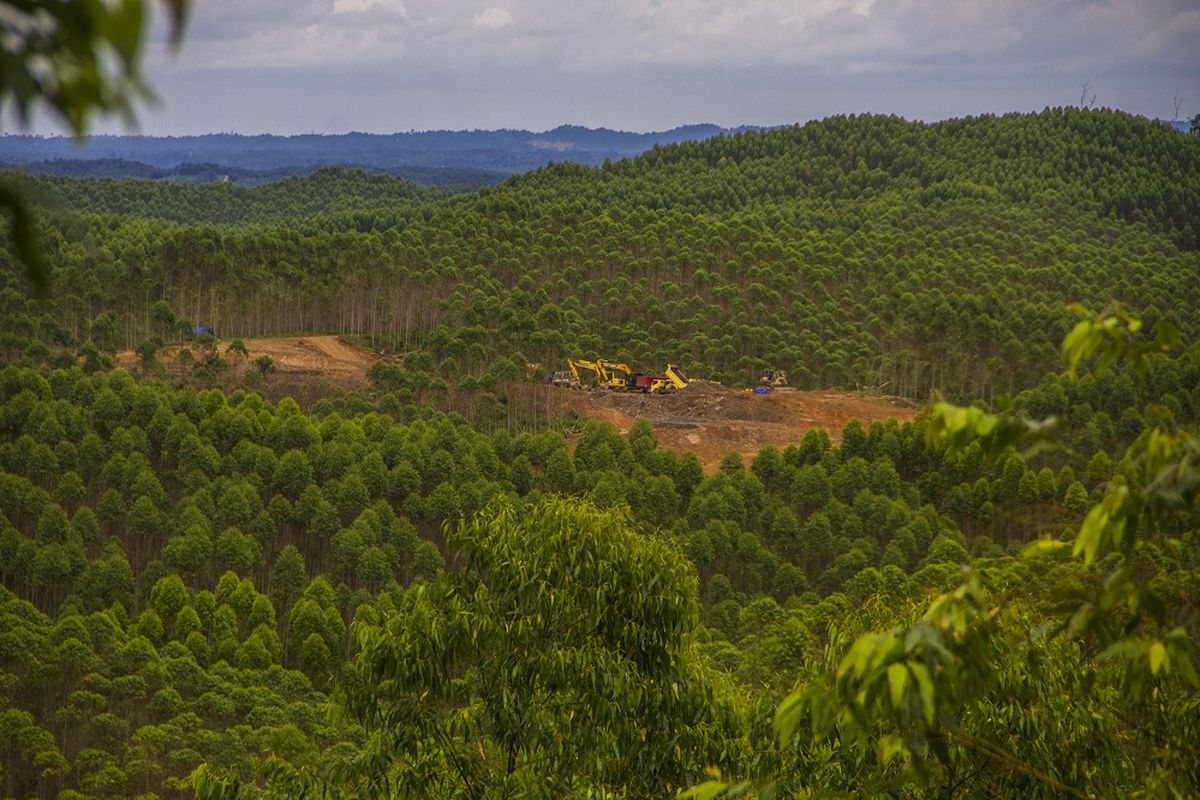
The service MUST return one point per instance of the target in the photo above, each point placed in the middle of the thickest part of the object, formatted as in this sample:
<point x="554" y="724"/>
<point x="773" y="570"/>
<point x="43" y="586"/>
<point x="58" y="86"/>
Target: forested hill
<point x="326" y="191"/>
<point x="500" y="150"/>
<point x="218" y="173"/>
<point x="853" y="252"/>
<point x="1106" y="163"/>
<point x="427" y="586"/>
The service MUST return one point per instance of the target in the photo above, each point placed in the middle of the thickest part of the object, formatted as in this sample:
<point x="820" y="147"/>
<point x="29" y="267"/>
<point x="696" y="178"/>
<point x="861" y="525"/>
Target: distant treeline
<point x="505" y="151"/>
<point x="220" y="173"/>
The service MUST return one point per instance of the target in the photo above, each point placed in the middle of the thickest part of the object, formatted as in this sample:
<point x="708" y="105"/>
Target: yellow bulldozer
<point x="773" y="380"/>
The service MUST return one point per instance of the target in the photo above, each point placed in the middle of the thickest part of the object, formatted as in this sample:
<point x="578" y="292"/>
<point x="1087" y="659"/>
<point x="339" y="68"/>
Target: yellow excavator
<point x="773" y="377"/>
<point x="616" y="382"/>
<point x="619" y="377"/>
<point x="597" y="367"/>
<point x="773" y="380"/>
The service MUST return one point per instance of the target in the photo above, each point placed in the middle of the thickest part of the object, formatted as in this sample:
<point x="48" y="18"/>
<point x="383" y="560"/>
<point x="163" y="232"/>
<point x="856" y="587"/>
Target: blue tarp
<point x="197" y="330"/>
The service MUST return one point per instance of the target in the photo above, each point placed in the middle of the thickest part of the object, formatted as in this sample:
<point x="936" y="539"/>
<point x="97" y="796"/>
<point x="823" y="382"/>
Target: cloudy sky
<point x="290" y="66"/>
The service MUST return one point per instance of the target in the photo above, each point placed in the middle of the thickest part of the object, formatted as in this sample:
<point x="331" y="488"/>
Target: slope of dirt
<point x="324" y="358"/>
<point x="711" y="420"/>
<point x="328" y="357"/>
<point x="707" y="419"/>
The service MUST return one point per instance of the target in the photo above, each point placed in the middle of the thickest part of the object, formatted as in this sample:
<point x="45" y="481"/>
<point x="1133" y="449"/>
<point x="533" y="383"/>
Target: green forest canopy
<point x="809" y="249"/>
<point x="192" y="575"/>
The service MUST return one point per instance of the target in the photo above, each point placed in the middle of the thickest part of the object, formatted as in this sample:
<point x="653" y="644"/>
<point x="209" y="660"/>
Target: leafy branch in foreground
<point x="904" y="699"/>
<point x="80" y="59"/>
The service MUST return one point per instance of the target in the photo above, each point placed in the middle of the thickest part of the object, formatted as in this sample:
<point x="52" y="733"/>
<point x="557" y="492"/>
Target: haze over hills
<point x="432" y="157"/>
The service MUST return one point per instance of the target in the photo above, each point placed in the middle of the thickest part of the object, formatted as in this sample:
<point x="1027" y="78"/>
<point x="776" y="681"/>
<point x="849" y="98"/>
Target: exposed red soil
<point x="326" y="358"/>
<point x="706" y="418"/>
<point x="711" y="420"/>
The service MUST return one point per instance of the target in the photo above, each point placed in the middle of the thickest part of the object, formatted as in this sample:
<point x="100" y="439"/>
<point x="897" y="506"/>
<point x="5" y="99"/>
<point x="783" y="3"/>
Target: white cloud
<point x="492" y="18"/>
<point x="357" y="6"/>
<point x="645" y="63"/>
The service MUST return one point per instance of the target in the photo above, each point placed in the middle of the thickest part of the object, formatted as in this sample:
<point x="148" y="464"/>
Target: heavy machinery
<point x="673" y="381"/>
<point x="773" y="377"/>
<point x="619" y="377"/>
<point x="574" y="365"/>
<point x="773" y="380"/>
<point x="631" y="382"/>
<point x="676" y="377"/>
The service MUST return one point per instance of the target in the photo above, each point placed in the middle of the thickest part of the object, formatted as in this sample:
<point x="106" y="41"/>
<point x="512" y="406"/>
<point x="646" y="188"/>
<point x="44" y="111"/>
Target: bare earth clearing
<point x="707" y="419"/>
<point x="326" y="357"/>
<point x="711" y="420"/>
<point x="323" y="357"/>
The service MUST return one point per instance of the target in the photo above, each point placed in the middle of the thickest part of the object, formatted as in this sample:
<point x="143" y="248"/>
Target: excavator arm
<point x="593" y="366"/>
<point x="612" y="379"/>
<point x="616" y="366"/>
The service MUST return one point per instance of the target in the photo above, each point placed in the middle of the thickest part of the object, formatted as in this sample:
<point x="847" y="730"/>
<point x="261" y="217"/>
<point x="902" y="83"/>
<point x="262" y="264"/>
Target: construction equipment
<point x="619" y="377"/>
<point x="773" y="377"/>
<point x="676" y="377"/>
<point x="673" y="381"/>
<point x="632" y="382"/>
<point x="773" y="380"/>
<point x="596" y="367"/>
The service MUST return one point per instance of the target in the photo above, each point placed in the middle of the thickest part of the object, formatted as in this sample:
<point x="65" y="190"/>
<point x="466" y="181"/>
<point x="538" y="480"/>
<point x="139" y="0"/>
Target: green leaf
<point x="788" y="716"/>
<point x="1080" y="343"/>
<point x="1158" y="654"/>
<point x="124" y="29"/>
<point x="925" y="686"/>
<point x="24" y="238"/>
<point x="1090" y="533"/>
<point x="889" y="747"/>
<point x="897" y="676"/>
<point x="705" y="791"/>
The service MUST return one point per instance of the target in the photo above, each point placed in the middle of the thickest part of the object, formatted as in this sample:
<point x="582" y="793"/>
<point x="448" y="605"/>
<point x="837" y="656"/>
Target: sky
<point x="331" y="66"/>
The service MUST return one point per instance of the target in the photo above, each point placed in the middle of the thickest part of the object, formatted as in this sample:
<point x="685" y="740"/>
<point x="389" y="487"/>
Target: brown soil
<point x="711" y="420"/>
<point x="325" y="358"/>
<point x="706" y="418"/>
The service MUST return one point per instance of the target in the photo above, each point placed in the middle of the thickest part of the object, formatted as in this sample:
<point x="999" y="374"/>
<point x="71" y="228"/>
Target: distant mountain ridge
<point x="193" y="173"/>
<point x="505" y="151"/>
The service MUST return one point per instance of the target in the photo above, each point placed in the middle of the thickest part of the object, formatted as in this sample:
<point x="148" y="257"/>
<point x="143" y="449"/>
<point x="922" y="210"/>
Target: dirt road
<point x="325" y="356"/>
